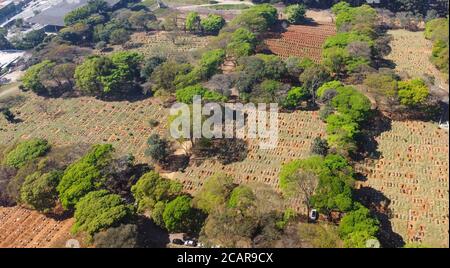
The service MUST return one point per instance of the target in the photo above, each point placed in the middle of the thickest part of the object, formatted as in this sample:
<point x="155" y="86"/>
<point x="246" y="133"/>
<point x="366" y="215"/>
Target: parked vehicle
<point x="177" y="241"/>
<point x="313" y="215"/>
<point x="190" y="243"/>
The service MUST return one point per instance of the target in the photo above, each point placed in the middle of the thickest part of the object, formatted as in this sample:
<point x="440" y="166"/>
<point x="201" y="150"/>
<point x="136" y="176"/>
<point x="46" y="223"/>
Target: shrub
<point x="319" y="146"/>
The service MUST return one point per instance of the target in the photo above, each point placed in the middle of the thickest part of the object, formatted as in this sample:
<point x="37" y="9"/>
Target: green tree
<point x="26" y="151"/>
<point x="413" y="92"/>
<point x="325" y="182"/>
<point x="77" y="34"/>
<point x="383" y="84"/>
<point x="157" y="213"/>
<point x="187" y="94"/>
<point x="313" y="77"/>
<point x="214" y="192"/>
<point x="108" y="75"/>
<point x="294" y="97"/>
<point x="100" y="210"/>
<point x="39" y="190"/>
<point x="242" y="197"/>
<point x="357" y="226"/>
<point x="258" y="18"/>
<point x="212" y="24"/>
<point x="33" y="77"/>
<point x="295" y="13"/>
<point x="178" y="214"/>
<point x="342" y="130"/>
<point x="358" y="239"/>
<point x="193" y="22"/>
<point x="82" y="13"/>
<point x="84" y="175"/>
<point x="151" y="188"/>
<point x="150" y="65"/>
<point x="243" y="43"/>
<point x="4" y="43"/>
<point x="31" y="39"/>
<point x="157" y="148"/>
<point x="164" y="76"/>
<point x="119" y="37"/>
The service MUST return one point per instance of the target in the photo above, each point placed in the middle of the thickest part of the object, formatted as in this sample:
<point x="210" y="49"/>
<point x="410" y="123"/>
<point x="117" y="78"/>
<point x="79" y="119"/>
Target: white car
<point x="190" y="243"/>
<point x="313" y="215"/>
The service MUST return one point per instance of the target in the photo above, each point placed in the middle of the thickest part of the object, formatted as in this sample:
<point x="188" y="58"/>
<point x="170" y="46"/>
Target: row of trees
<point x="422" y="7"/>
<point x="437" y="31"/>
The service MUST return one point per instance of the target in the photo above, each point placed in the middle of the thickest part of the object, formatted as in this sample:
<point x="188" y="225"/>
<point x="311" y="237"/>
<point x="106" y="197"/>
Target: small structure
<point x="8" y="57"/>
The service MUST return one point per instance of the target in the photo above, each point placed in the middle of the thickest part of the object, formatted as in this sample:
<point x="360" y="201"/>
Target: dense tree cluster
<point x="101" y="75"/>
<point x="349" y="108"/>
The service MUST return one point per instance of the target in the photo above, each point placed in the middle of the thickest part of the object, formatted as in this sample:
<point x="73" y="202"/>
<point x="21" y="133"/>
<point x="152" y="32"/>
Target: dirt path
<point x="219" y="2"/>
<point x="9" y="91"/>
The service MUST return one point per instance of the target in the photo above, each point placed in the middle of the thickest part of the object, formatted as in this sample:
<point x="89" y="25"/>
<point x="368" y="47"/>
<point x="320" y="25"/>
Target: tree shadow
<point x="386" y="63"/>
<point x="176" y="163"/>
<point x="367" y="143"/>
<point x="378" y="203"/>
<point x="134" y="93"/>
<point x="150" y="235"/>
<point x="226" y="151"/>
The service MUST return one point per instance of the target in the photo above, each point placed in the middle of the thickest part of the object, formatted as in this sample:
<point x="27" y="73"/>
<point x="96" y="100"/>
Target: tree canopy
<point x="99" y="75"/>
<point x="84" y="175"/>
<point x="100" y="210"/>
<point x="26" y="151"/>
<point x="39" y="190"/>
<point x="178" y="214"/>
<point x="151" y="188"/>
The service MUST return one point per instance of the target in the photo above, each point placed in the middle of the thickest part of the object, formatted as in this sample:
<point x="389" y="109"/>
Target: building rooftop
<point x="54" y="15"/>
